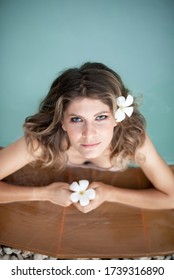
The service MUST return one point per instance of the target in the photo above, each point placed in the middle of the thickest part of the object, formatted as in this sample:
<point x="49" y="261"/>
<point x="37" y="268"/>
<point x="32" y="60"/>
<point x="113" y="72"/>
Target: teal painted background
<point x="39" y="38"/>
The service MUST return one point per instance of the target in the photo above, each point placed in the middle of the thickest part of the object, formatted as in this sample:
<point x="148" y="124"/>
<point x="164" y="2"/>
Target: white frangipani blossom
<point x="80" y="192"/>
<point x="124" y="107"/>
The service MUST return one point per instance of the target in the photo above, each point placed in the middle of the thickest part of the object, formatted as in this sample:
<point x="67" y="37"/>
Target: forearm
<point x="146" y="198"/>
<point x="12" y="193"/>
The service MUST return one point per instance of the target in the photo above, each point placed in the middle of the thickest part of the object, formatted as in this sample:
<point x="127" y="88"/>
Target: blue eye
<point x="101" y="117"/>
<point x="76" y="120"/>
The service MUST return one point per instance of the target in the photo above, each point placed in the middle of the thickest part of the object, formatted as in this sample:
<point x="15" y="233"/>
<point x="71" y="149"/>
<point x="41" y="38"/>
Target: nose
<point x="89" y="130"/>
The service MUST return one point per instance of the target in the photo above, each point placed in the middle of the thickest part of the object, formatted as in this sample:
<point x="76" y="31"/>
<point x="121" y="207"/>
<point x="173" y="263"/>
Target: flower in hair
<point x="124" y="107"/>
<point x="80" y="192"/>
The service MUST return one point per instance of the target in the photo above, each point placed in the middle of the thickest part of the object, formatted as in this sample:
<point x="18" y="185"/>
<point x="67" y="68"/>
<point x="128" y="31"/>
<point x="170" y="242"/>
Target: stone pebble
<point x="8" y="253"/>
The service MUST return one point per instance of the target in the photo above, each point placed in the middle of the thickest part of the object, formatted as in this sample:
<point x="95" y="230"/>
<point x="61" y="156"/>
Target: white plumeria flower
<point x="80" y="192"/>
<point x="124" y="107"/>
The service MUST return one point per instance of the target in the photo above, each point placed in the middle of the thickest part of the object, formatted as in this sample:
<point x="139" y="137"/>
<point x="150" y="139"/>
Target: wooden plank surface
<point x="112" y="230"/>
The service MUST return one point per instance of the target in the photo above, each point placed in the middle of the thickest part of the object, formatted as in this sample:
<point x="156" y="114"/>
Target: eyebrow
<point x="99" y="113"/>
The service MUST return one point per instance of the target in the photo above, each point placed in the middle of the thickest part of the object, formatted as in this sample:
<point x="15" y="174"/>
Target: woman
<point x="88" y="115"/>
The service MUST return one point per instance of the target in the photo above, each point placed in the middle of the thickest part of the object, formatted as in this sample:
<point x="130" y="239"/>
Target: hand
<point x="58" y="193"/>
<point x="102" y="192"/>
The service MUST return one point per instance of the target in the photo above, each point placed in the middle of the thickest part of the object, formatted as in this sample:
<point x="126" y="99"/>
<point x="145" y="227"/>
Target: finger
<point x="80" y="208"/>
<point x="93" y="185"/>
<point x="66" y="186"/>
<point x="90" y="207"/>
<point x="83" y="209"/>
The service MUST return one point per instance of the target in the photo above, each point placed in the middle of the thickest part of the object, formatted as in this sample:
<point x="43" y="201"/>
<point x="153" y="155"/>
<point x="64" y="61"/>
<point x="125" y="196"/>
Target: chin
<point x="91" y="154"/>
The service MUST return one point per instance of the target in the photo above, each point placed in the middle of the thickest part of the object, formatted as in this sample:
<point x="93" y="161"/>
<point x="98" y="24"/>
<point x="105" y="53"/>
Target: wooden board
<point x="112" y="230"/>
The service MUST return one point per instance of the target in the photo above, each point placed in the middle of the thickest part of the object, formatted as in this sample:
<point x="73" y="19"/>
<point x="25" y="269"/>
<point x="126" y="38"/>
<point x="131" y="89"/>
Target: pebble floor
<point x="8" y="253"/>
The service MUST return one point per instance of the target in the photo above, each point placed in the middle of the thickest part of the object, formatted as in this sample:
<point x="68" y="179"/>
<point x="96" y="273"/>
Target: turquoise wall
<point x="39" y="38"/>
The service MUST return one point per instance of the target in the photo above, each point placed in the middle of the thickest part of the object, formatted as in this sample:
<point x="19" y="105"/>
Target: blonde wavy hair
<point x="91" y="80"/>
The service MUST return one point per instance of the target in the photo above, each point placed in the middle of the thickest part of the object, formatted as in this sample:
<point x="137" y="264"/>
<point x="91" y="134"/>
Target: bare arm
<point x="161" y="176"/>
<point x="15" y="157"/>
<point x="156" y="170"/>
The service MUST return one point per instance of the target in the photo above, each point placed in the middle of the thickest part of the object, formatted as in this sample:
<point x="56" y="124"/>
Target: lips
<point x="90" y="145"/>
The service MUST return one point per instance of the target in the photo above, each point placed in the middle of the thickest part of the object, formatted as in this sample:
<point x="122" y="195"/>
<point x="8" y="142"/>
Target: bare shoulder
<point x="14" y="157"/>
<point x="146" y="152"/>
<point x="154" y="166"/>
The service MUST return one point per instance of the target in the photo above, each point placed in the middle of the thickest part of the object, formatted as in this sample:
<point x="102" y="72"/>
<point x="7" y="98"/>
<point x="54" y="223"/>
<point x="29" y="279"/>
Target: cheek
<point x="107" y="133"/>
<point x="107" y="129"/>
<point x="73" y="133"/>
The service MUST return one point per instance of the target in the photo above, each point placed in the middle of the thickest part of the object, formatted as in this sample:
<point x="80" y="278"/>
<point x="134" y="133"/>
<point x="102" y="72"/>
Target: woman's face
<point x="89" y="124"/>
